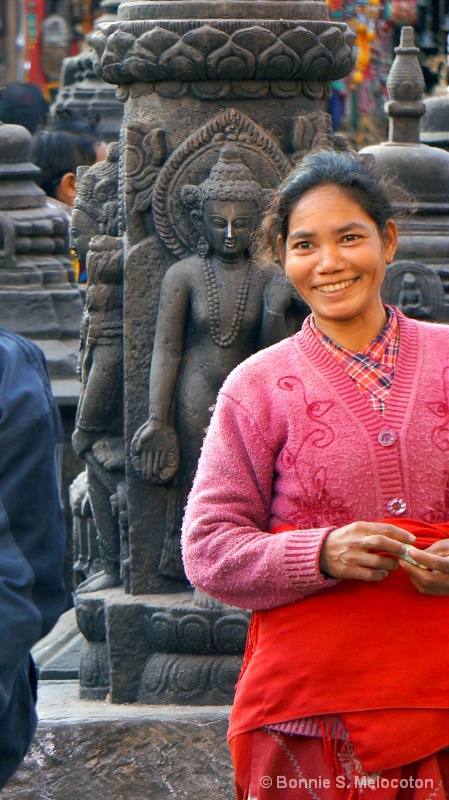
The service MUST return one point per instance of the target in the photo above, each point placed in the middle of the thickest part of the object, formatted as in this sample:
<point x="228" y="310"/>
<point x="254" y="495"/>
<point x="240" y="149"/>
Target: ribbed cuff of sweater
<point x="302" y="560"/>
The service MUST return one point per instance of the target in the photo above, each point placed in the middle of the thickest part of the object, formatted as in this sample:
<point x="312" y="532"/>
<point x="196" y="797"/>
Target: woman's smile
<point x="331" y="288"/>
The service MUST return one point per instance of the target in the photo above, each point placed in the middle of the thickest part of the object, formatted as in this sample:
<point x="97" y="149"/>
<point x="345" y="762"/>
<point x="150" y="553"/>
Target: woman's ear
<point x="66" y="189"/>
<point x="281" y="249"/>
<point x="390" y="239"/>
<point x="197" y="219"/>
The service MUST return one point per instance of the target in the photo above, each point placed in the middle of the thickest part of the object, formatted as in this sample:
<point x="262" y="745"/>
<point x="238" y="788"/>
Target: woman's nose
<point x="330" y="259"/>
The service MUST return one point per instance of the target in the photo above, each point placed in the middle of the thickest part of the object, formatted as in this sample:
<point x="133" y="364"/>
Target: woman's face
<point x="336" y="257"/>
<point x="228" y="226"/>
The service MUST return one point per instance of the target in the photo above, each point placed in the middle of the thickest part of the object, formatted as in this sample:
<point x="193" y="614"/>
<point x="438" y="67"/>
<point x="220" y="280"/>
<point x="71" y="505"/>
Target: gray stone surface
<point x="123" y="752"/>
<point x="57" y="656"/>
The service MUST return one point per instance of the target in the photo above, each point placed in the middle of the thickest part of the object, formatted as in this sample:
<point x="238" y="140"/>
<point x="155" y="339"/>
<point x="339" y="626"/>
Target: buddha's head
<point x="224" y="206"/>
<point x="96" y="205"/>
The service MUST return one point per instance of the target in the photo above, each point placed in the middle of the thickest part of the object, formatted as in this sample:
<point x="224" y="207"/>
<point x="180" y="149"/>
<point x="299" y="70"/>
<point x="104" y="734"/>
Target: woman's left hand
<point x="434" y="579"/>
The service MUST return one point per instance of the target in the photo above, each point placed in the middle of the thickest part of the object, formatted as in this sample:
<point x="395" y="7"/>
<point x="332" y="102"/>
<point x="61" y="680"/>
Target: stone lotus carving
<point x="231" y="90"/>
<point x="225" y="51"/>
<point x="203" y="634"/>
<point x="194" y="678"/>
<point x="313" y="131"/>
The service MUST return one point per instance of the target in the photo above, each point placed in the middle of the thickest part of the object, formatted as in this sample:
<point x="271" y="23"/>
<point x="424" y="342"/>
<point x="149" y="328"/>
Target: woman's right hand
<point x="353" y="551"/>
<point x="155" y="451"/>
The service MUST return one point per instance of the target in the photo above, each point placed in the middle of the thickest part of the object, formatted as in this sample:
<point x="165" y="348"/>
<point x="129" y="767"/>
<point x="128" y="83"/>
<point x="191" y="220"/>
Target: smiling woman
<point x="321" y="502"/>
<point x="336" y="257"/>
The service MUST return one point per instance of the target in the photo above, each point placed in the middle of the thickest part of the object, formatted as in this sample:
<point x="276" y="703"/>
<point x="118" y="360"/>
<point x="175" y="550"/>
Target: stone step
<point x="86" y="748"/>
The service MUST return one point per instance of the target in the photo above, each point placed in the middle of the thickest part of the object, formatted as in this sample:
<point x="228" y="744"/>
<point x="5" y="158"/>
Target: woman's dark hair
<point x="347" y="170"/>
<point x="55" y="153"/>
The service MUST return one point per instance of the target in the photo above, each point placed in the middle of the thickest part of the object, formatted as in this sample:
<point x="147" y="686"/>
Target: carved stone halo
<point x="192" y="162"/>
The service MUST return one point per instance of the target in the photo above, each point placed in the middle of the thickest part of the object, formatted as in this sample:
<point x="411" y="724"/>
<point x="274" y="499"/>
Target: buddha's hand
<point x="360" y="550"/>
<point x="432" y="576"/>
<point x="82" y="441"/>
<point x="277" y="295"/>
<point x="155" y="451"/>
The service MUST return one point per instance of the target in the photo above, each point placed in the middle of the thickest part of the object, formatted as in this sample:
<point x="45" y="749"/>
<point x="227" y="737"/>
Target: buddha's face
<point x="83" y="227"/>
<point x="228" y="226"/>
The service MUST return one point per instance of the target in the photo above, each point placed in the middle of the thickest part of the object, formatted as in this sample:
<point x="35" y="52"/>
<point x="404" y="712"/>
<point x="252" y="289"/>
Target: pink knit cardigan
<point x="292" y="440"/>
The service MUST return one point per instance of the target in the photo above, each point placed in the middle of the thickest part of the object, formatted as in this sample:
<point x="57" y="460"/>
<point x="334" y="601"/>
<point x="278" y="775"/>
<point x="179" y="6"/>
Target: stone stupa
<point x="39" y="297"/>
<point x="418" y="280"/>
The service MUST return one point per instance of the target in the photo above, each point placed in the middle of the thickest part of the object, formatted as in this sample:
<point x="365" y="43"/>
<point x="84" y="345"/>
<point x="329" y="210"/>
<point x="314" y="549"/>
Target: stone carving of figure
<point x="216" y="308"/>
<point x="98" y="436"/>
<point x="410" y="299"/>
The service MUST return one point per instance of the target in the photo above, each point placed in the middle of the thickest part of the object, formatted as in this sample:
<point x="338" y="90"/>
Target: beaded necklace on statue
<point x="213" y="301"/>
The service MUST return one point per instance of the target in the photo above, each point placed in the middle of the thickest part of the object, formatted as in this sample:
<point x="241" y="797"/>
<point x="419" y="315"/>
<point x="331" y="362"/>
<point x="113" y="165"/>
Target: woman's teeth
<point x="328" y="288"/>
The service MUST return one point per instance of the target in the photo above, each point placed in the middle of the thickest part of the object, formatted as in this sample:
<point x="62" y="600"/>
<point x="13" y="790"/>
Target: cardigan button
<point x="386" y="438"/>
<point x="396" y="506"/>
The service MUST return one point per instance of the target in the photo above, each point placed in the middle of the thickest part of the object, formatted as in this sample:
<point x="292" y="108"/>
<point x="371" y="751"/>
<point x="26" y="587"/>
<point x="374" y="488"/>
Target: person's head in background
<point x="84" y="130"/>
<point x="23" y="104"/>
<point x="57" y="156"/>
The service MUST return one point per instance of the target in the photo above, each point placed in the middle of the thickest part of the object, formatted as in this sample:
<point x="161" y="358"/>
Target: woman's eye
<point x="303" y="245"/>
<point x="350" y="237"/>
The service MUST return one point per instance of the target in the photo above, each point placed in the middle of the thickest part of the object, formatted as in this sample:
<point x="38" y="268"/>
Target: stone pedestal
<point x="159" y="649"/>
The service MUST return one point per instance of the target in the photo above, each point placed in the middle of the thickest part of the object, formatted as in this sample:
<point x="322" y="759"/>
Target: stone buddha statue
<point x="216" y="308"/>
<point x="410" y="299"/>
<point x="98" y="436"/>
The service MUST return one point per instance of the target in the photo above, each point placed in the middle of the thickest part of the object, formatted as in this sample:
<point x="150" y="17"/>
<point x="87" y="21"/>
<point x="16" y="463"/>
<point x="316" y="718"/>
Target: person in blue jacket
<point x="32" y="536"/>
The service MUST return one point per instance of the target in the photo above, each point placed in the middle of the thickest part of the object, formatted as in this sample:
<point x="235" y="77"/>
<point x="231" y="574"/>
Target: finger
<point x="155" y="463"/>
<point x="161" y="461"/>
<point x="369" y="575"/>
<point x="426" y="582"/>
<point x="150" y="457"/>
<point x="376" y="561"/>
<point x="440" y="548"/>
<point x="382" y="544"/>
<point x="144" y="463"/>
<point x="430" y="560"/>
<point x="393" y="532"/>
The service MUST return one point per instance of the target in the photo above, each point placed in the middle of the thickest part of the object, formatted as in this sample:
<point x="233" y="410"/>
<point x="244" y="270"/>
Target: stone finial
<point x="405" y="89"/>
<point x="109" y="10"/>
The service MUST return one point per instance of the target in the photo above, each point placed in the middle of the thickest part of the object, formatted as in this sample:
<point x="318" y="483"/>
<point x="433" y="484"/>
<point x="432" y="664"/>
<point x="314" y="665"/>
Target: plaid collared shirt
<point x="372" y="368"/>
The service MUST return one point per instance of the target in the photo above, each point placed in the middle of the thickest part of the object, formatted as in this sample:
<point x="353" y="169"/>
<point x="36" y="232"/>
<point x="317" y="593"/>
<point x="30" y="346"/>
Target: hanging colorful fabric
<point x="401" y="12"/>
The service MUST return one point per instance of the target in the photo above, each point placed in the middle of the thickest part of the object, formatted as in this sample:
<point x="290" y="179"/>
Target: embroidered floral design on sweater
<point x="440" y="434"/>
<point x="439" y="512"/>
<point x="315" y="507"/>
<point x="322" y="435"/>
<point x="318" y="508"/>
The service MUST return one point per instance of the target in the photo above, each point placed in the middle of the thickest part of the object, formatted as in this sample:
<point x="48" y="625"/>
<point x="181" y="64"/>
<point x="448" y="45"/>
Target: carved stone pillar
<point x="220" y="100"/>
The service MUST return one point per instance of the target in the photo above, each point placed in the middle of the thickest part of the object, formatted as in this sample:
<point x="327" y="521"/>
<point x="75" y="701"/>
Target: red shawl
<point x="375" y="654"/>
